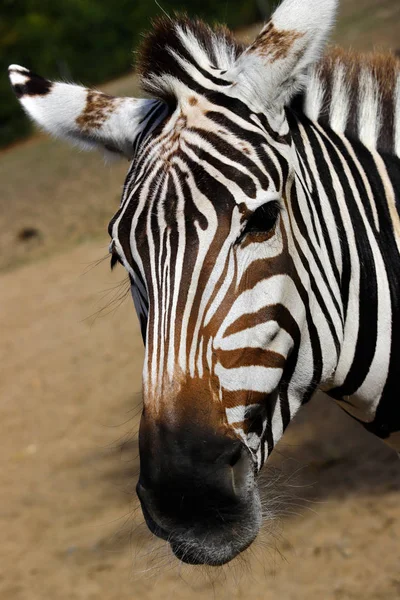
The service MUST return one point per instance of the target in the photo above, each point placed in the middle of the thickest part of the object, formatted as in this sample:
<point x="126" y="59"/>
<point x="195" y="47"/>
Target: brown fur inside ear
<point x="155" y="57"/>
<point x="97" y="110"/>
<point x="275" y="43"/>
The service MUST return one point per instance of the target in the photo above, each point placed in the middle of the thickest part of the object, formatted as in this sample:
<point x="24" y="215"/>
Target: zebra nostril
<point x="242" y="472"/>
<point x="235" y="456"/>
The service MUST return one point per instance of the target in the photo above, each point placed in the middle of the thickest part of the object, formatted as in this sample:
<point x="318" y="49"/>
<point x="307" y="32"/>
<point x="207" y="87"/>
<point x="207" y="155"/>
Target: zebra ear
<point x="85" y="117"/>
<point x="291" y="42"/>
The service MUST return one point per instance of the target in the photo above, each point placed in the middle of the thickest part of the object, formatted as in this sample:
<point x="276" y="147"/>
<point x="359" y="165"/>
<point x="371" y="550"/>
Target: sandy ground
<point x="69" y="522"/>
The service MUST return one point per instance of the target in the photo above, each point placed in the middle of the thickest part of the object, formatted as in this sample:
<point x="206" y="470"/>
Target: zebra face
<point x="202" y="230"/>
<point x="205" y="232"/>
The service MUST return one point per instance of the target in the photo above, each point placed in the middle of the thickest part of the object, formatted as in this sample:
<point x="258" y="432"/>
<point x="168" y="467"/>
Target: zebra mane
<point x="357" y="95"/>
<point x="175" y="45"/>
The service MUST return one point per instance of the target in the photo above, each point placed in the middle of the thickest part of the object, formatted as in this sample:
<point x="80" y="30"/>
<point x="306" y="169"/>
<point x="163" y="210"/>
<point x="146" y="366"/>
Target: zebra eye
<point x="263" y="219"/>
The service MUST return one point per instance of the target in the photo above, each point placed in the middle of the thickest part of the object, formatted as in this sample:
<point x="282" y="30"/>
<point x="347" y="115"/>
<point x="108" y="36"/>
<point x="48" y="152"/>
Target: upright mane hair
<point x="355" y="94"/>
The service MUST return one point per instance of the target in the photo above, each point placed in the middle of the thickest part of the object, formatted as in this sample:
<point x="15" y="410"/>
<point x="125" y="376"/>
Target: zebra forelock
<point x="183" y="52"/>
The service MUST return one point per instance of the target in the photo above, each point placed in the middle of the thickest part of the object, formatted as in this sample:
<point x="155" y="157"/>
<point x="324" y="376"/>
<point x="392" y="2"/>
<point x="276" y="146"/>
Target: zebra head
<point x="206" y="232"/>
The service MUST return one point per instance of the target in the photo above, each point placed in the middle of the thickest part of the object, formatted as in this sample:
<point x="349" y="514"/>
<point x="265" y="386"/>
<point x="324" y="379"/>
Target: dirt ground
<point x="69" y="522"/>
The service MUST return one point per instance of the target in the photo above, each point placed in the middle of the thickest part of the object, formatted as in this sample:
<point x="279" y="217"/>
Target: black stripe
<point x="230" y="172"/>
<point x="324" y="173"/>
<point x="367" y="293"/>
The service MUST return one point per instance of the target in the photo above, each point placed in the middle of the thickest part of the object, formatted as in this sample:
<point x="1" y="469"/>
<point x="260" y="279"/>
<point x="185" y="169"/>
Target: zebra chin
<point x="211" y="544"/>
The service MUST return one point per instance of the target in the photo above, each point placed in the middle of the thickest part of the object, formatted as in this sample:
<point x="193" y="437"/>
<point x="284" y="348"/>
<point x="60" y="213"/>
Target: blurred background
<point x="71" y="359"/>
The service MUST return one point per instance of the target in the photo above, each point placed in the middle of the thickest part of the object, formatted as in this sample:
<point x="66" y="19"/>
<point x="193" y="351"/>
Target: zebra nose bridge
<point x="162" y="372"/>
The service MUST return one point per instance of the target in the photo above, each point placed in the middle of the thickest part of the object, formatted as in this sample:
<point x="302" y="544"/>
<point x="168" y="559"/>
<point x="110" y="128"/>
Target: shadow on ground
<point x="324" y="455"/>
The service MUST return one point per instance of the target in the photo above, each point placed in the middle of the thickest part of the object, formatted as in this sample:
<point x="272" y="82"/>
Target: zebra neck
<point x="346" y="194"/>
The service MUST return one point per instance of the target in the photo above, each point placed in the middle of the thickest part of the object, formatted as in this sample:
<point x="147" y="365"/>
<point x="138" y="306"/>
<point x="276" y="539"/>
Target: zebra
<point x="259" y="225"/>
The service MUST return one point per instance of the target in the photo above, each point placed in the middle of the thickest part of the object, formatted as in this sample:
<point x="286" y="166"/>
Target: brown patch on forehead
<point x="193" y="101"/>
<point x="276" y="43"/>
<point x="97" y="110"/>
<point x="180" y="125"/>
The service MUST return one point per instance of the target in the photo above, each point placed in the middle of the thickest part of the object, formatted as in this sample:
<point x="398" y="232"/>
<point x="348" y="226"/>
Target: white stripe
<point x="178" y="268"/>
<point x="253" y="378"/>
<point x="390" y="197"/>
<point x="314" y="97"/>
<point x="152" y="274"/>
<point x="369" y="120"/>
<point x="339" y="111"/>
<point x="220" y="295"/>
<point x="350" y="332"/>
<point x="328" y="216"/>
<point x="200" y="358"/>
<point x="266" y="335"/>
<point x="366" y="399"/>
<point x="162" y="275"/>
<point x="361" y="171"/>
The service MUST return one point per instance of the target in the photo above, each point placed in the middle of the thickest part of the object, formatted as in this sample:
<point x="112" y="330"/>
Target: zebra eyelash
<point x="114" y="260"/>
<point x="115" y="257"/>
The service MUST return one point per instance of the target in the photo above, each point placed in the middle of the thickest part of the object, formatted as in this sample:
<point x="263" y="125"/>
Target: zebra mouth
<point x="153" y="526"/>
<point x="212" y="557"/>
<point x="185" y="555"/>
<point x="193" y="551"/>
<point x="182" y="551"/>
